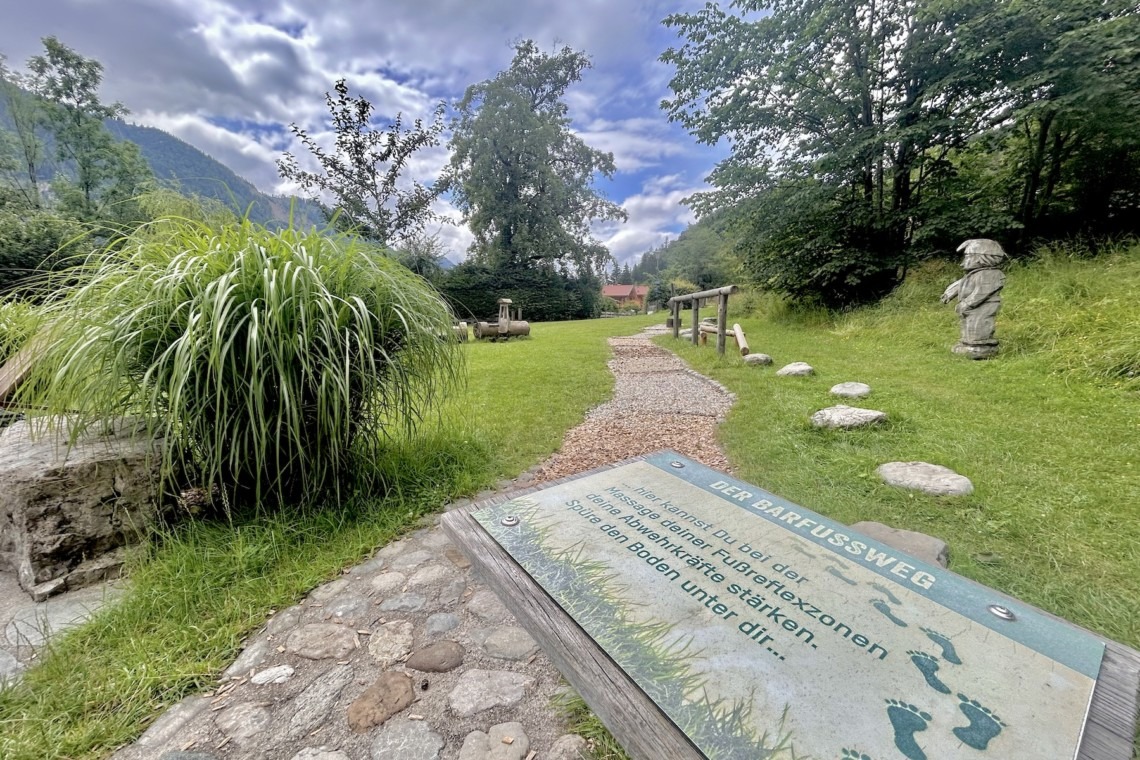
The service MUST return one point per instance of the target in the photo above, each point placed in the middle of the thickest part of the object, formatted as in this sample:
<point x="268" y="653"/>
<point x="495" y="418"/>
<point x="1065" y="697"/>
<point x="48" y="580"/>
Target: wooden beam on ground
<point x="741" y="341"/>
<point x="16" y="370"/>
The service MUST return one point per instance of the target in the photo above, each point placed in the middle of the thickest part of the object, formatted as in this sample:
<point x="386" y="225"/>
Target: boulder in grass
<point x="927" y="548"/>
<point x="758" y="359"/>
<point x="928" y="478"/>
<point x="64" y="510"/>
<point x="851" y="390"/>
<point x="847" y="417"/>
<point x="795" y="369"/>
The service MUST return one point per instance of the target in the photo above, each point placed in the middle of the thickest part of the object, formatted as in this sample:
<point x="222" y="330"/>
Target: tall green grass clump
<point x="272" y="363"/>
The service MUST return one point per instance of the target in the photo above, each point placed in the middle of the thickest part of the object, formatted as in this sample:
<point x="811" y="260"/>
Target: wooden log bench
<point x="640" y="724"/>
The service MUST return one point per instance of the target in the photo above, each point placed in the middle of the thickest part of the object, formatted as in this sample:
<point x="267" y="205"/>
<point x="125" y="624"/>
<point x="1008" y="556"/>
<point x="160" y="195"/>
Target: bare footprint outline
<point x="927" y="664"/>
<point x="886" y="592"/>
<point x="885" y="608"/>
<point x="834" y="571"/>
<point x="983" y="727"/>
<point x="943" y="641"/>
<point x="907" y="720"/>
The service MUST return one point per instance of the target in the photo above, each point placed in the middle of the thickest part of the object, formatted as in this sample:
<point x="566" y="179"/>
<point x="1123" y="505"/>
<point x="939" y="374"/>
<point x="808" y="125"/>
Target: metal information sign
<point x="764" y="630"/>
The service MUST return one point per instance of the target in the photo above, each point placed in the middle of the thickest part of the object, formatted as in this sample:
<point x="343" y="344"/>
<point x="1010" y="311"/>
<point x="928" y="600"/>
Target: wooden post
<point x="721" y="323"/>
<point x="741" y="341"/>
<point x="696" y="319"/>
<point x="676" y="306"/>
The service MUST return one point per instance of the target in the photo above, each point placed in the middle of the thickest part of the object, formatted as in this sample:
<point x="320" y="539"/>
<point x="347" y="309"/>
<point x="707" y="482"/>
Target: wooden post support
<point x="741" y="341"/>
<point x="721" y="322"/>
<point x="696" y="320"/>
<point x="676" y="307"/>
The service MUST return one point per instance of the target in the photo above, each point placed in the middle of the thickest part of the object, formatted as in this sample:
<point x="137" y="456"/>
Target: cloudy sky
<point x="229" y="76"/>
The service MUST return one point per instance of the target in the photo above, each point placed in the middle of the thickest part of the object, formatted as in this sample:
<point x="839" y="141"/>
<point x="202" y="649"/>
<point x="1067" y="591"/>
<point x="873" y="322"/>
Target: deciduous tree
<point x="521" y="177"/>
<point x="365" y="172"/>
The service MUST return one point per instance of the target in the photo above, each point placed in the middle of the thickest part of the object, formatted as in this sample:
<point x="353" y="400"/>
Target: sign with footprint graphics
<point x="764" y="630"/>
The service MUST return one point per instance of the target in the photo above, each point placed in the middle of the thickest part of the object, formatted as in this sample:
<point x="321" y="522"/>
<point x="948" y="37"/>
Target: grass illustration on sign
<point x="659" y="661"/>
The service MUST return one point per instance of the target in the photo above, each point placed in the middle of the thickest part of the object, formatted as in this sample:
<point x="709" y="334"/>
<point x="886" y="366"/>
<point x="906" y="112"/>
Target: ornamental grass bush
<point x="272" y="363"/>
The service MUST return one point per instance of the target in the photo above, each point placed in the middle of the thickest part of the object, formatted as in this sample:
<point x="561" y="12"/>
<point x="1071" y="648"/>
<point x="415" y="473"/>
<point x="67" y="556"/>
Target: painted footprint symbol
<point x="983" y="727"/>
<point x="854" y="754"/>
<point x="927" y="664"/>
<point x="948" y="652"/>
<point x="884" y="608"/>
<point x="886" y="592"/>
<point x="907" y="720"/>
<point x="802" y="550"/>
<point x="841" y="576"/>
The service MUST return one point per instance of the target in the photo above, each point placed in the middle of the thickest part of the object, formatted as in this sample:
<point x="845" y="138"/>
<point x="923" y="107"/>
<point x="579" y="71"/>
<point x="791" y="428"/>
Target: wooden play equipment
<point x="700" y="299"/>
<point x="737" y="334"/>
<point x="506" y="327"/>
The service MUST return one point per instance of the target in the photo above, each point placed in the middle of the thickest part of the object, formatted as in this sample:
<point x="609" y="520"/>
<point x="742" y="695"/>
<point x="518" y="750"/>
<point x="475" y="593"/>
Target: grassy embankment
<point x="202" y="587"/>
<point x="1049" y="432"/>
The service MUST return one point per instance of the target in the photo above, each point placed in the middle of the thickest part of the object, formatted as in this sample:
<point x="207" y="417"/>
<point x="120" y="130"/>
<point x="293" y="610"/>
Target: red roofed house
<point x="627" y="296"/>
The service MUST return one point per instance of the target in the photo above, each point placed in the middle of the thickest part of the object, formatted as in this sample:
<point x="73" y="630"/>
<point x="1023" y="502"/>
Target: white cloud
<point x="655" y="217"/>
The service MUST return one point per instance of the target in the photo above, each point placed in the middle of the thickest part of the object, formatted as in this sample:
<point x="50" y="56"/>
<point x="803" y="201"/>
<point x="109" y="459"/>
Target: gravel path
<point x="407" y="656"/>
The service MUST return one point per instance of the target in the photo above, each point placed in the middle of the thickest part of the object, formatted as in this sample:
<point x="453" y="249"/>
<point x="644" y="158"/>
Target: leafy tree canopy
<point x="865" y="133"/>
<point x="362" y="173"/>
<point x="521" y="178"/>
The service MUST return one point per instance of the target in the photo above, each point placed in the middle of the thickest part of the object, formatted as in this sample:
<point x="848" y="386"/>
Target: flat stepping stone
<point x="388" y="695"/>
<point x="847" y="417"/>
<point x="928" y="478"/>
<point x="509" y="642"/>
<point x="795" y="369"/>
<point x="277" y="674"/>
<point x="506" y="741"/>
<point x="321" y="641"/>
<point x="407" y="740"/>
<point x="851" y="390"/>
<point x="760" y="359"/>
<point x="437" y="658"/>
<point x="391" y="642"/>
<point x="927" y="548"/>
<point x="479" y="690"/>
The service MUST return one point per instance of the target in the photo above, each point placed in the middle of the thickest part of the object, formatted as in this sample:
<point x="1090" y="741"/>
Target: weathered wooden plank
<point x="727" y="290"/>
<point x="16" y="369"/>
<point x="640" y="725"/>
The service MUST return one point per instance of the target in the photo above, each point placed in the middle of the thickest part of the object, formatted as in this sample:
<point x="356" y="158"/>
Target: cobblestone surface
<point x="325" y="679"/>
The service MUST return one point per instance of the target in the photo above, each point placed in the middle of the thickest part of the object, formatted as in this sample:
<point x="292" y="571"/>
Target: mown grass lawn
<point x="202" y="586"/>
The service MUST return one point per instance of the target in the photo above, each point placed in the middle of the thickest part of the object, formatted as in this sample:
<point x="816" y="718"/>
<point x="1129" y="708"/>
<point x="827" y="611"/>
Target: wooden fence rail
<point x="721" y="294"/>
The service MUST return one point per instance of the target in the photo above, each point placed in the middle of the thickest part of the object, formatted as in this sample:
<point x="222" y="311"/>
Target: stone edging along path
<point x="406" y="656"/>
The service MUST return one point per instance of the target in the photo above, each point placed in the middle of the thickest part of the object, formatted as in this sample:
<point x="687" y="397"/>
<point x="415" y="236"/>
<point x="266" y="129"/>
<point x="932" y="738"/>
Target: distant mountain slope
<point x="183" y="166"/>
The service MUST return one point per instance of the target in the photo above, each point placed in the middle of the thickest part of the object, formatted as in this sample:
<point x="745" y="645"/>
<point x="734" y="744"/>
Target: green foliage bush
<point x="544" y="295"/>
<point x="272" y="363"/>
<point x="32" y="242"/>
